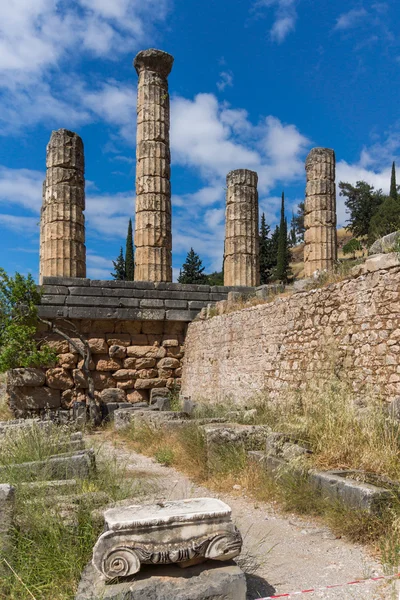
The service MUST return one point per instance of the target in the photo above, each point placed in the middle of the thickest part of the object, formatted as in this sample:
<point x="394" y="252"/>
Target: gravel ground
<point x="282" y="552"/>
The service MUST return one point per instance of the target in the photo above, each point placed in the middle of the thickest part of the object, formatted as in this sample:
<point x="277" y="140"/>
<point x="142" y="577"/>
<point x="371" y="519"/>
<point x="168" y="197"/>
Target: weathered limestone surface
<point x="209" y="581"/>
<point x="7" y="500"/>
<point x="351" y="327"/>
<point x="320" y="249"/>
<point x="62" y="222"/>
<point x="170" y="532"/>
<point x="241" y="254"/>
<point x="153" y="238"/>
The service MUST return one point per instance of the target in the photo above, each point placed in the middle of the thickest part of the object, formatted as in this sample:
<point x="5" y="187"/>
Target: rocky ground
<point x="282" y="552"/>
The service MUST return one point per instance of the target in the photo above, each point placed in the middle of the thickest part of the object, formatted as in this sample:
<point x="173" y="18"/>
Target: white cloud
<point x="40" y="41"/>
<point x="226" y="80"/>
<point x="21" y="187"/>
<point x="107" y="215"/>
<point x="98" y="267"/>
<point x="23" y="225"/>
<point x="285" y="17"/>
<point x="352" y="18"/>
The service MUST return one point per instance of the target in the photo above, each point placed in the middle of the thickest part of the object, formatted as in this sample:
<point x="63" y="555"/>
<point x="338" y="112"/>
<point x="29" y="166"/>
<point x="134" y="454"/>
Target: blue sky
<point x="255" y="84"/>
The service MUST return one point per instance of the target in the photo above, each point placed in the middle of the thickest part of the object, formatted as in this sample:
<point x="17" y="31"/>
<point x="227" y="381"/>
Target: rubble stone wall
<point x="351" y="327"/>
<point x="128" y="360"/>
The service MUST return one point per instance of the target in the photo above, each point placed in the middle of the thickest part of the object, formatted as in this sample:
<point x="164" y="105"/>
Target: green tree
<point x="393" y="186"/>
<point x="264" y="250"/>
<point x="192" y="270"/>
<point x="19" y="298"/>
<point x="216" y="278"/>
<point x="298" y="222"/>
<point x="282" y="267"/>
<point x="129" y="255"/>
<point x="362" y="202"/>
<point x="352" y="246"/>
<point x="293" y="233"/>
<point x="119" y="267"/>
<point x="385" y="221"/>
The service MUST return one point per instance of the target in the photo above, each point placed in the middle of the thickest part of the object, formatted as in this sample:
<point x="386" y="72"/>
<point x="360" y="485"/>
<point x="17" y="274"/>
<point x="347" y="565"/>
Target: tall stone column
<point x="62" y="222"/>
<point x="153" y="238"/>
<point x="320" y="248"/>
<point x="241" y="255"/>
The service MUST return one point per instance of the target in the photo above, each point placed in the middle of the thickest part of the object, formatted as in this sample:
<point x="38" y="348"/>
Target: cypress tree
<point x="393" y="186"/>
<point x="282" y="266"/>
<point x="119" y="268"/>
<point x="129" y="255"/>
<point x="264" y="250"/>
<point x="192" y="269"/>
<point x="293" y="235"/>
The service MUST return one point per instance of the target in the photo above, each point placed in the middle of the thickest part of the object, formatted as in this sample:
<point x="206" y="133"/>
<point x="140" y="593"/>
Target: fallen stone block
<point x="64" y="466"/>
<point x="176" y="531"/>
<point x="50" y="488"/>
<point x="125" y="417"/>
<point x="341" y="486"/>
<point x="7" y="499"/>
<point x="208" y="581"/>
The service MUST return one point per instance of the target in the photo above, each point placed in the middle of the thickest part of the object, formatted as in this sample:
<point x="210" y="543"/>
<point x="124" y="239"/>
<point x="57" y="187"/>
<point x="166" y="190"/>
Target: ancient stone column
<point x="153" y="238"/>
<point x="62" y="222"/>
<point x="320" y="248"/>
<point x="241" y="255"/>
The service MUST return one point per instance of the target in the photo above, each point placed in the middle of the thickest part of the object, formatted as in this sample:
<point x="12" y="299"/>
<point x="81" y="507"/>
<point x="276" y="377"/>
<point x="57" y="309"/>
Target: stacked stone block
<point x="241" y="255"/>
<point x="62" y="223"/>
<point x="153" y="238"/>
<point x="320" y="249"/>
<point x="128" y="360"/>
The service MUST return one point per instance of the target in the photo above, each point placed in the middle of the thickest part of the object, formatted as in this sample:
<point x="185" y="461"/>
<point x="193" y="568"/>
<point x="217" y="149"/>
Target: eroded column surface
<point x="320" y="248"/>
<point x="241" y="255"/>
<point x="153" y="238"/>
<point x="62" y="222"/>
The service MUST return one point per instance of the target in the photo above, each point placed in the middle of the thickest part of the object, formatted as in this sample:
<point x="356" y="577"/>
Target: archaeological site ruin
<point x="158" y="357"/>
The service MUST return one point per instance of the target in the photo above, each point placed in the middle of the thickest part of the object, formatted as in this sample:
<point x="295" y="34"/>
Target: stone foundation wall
<point x="135" y="330"/>
<point x="351" y="327"/>
<point x="128" y="361"/>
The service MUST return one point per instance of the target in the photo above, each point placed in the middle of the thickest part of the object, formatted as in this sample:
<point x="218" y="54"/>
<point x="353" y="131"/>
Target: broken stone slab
<point x="65" y="466"/>
<point x="208" y="581"/>
<point x="7" y="501"/>
<point x="125" y="417"/>
<point x="50" y="488"/>
<point x="178" y="531"/>
<point x="226" y="437"/>
<point x="285" y="446"/>
<point x="156" y="419"/>
<point x="339" y="485"/>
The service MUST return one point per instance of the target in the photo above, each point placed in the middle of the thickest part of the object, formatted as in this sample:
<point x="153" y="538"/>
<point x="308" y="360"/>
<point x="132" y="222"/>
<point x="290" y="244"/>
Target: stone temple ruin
<point x="136" y="330"/>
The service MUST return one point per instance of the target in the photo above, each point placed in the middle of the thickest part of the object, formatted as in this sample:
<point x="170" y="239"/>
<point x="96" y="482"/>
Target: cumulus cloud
<point x="226" y="80"/>
<point x="285" y="17"/>
<point x="39" y="40"/>
<point x="21" y="187"/>
<point x="350" y="19"/>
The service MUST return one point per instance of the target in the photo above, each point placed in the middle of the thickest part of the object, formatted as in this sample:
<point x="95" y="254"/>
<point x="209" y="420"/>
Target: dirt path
<point x="287" y="552"/>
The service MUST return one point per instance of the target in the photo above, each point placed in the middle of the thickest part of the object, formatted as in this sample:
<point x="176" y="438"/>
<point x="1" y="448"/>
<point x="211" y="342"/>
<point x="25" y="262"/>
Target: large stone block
<point x="26" y="377"/>
<point x="23" y="399"/>
<point x="7" y="502"/>
<point x="209" y="581"/>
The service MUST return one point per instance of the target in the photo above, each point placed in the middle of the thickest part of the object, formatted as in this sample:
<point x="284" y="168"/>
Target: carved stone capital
<point x="154" y="60"/>
<point x="176" y="532"/>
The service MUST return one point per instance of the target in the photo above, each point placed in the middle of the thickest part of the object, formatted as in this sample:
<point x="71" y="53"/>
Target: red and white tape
<point x="330" y="587"/>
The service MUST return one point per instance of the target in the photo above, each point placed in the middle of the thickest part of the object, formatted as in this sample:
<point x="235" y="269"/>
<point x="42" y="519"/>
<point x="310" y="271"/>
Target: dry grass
<point x="341" y="436"/>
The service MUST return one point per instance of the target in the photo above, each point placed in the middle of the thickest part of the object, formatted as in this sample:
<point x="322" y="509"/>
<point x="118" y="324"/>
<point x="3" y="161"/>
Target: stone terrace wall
<point x="352" y="326"/>
<point x="136" y="333"/>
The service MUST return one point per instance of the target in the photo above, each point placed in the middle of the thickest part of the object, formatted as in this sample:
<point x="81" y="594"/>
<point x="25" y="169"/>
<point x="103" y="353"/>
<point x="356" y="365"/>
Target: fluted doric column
<point x="241" y="255"/>
<point x="153" y="238"/>
<point x="320" y="248"/>
<point x="62" y="222"/>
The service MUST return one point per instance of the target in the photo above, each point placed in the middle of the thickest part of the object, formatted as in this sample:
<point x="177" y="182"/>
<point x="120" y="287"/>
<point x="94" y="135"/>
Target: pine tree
<point x="119" y="267"/>
<point x="393" y="187"/>
<point x="192" y="269"/>
<point x="129" y="255"/>
<point x="282" y="267"/>
<point x="298" y="222"/>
